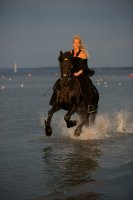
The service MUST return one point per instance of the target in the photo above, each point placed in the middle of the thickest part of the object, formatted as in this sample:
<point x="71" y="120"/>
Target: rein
<point x="64" y="75"/>
<point x="68" y="77"/>
<point x="47" y="91"/>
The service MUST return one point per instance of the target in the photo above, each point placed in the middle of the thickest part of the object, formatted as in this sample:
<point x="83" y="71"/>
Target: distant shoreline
<point x="122" y="67"/>
<point x="54" y="67"/>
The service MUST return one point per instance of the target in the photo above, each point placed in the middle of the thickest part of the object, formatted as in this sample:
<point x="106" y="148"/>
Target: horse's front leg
<point x="48" y="129"/>
<point x="70" y="123"/>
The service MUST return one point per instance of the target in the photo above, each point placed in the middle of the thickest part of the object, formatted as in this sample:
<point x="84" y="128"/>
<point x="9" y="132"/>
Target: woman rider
<point x="80" y="68"/>
<point x="80" y="58"/>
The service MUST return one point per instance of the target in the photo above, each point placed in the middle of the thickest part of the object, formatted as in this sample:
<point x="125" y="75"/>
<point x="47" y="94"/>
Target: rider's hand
<point x="78" y="73"/>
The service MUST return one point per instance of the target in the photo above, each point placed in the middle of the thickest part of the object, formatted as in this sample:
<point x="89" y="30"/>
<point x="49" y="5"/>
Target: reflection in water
<point x="80" y="163"/>
<point x="70" y="164"/>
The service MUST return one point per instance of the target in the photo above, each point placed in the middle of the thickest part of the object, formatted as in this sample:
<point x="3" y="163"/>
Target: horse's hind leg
<point x="92" y="112"/>
<point x="91" y="119"/>
<point x="48" y="129"/>
<point x="78" y="130"/>
<point x="88" y="119"/>
<point x="70" y="123"/>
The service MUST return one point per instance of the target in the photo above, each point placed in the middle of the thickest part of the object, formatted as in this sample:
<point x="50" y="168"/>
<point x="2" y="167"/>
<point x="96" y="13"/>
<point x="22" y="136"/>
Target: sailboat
<point x="15" y="67"/>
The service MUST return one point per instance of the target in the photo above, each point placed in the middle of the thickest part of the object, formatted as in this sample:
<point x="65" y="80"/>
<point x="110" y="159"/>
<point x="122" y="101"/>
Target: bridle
<point x="64" y="74"/>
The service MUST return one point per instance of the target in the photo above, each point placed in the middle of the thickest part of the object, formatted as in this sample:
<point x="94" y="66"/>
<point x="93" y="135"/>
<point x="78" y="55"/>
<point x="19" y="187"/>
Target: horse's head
<point x="65" y="62"/>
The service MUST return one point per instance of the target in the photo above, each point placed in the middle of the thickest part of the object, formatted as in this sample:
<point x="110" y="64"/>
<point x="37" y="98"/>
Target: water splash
<point x="42" y="121"/>
<point x="106" y="125"/>
<point x="98" y="131"/>
<point x="122" y="121"/>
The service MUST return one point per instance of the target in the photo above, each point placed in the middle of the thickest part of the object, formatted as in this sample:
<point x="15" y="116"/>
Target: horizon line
<point x="55" y="66"/>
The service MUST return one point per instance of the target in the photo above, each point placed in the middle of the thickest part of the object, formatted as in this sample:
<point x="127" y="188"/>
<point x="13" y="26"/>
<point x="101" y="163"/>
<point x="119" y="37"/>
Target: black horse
<point x="67" y="95"/>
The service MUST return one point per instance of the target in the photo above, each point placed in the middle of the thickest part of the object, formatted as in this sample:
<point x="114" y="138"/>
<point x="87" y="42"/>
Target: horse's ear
<point x="60" y="56"/>
<point x="61" y="53"/>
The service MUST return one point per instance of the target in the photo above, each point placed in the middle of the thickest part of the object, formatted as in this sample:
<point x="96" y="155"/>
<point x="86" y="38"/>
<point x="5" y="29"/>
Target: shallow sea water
<point x="98" y="165"/>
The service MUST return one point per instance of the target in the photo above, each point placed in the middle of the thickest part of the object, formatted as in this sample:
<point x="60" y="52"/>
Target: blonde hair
<point x="82" y="46"/>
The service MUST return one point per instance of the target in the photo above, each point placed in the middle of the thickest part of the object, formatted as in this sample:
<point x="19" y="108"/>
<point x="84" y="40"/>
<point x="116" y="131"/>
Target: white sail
<point x="15" y="67"/>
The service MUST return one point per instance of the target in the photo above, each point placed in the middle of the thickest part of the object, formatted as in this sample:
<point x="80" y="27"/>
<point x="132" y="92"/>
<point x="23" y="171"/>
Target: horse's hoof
<point x="48" y="131"/>
<point x="71" y="123"/>
<point x="77" y="132"/>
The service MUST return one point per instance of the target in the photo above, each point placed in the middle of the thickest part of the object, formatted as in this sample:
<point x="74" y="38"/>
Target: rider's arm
<point x="83" y="56"/>
<point x="78" y="73"/>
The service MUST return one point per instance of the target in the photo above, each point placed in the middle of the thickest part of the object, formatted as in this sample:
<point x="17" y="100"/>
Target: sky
<point x="32" y="32"/>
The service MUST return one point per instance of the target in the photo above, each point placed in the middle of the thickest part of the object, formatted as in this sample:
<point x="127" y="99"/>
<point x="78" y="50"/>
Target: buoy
<point x="131" y="75"/>
<point x="22" y="85"/>
<point x="2" y="87"/>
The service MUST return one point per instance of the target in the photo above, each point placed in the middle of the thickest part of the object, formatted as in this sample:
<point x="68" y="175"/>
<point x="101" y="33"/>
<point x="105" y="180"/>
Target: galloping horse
<point x="67" y="95"/>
